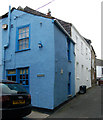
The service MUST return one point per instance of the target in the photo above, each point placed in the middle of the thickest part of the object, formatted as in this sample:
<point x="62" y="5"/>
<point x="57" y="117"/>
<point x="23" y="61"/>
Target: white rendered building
<point x="82" y="60"/>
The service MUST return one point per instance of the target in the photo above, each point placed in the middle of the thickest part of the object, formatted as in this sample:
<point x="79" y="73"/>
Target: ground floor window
<point x="11" y="75"/>
<point x="23" y="76"/>
<point x="19" y="75"/>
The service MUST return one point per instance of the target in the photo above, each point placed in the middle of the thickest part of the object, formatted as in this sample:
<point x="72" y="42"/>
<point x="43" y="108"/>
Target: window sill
<point x="22" y="50"/>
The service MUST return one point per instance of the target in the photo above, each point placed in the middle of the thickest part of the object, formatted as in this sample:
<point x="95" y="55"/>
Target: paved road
<point x="83" y="106"/>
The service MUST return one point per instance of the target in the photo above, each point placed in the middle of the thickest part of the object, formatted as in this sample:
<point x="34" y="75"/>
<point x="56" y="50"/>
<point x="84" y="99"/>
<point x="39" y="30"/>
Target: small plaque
<point x="61" y="71"/>
<point x="40" y="75"/>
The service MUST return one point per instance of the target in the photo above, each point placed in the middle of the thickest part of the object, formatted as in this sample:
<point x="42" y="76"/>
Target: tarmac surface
<point x="88" y="105"/>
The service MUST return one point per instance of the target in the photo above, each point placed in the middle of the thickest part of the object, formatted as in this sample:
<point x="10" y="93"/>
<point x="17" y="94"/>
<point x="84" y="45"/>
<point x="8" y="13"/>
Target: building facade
<point x="102" y="30"/>
<point x="82" y="60"/>
<point x="93" y="67"/>
<point x="82" y="57"/>
<point x="38" y="53"/>
<point x="1" y="62"/>
<point x="99" y="68"/>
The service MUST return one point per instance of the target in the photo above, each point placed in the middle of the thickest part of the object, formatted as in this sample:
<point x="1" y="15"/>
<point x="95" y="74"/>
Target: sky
<point x="85" y="15"/>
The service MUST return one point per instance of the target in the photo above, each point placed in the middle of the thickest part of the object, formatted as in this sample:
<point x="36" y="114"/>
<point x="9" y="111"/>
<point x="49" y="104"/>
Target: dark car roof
<point x="7" y="81"/>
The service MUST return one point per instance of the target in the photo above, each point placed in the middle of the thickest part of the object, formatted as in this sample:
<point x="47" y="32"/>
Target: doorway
<point x="69" y="84"/>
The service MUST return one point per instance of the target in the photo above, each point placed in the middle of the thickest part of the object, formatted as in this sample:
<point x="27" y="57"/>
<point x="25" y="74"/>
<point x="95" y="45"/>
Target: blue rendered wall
<point x="51" y="90"/>
<point x="71" y="67"/>
<point x="61" y="62"/>
<point x="3" y="35"/>
<point x="1" y="64"/>
<point x="40" y="61"/>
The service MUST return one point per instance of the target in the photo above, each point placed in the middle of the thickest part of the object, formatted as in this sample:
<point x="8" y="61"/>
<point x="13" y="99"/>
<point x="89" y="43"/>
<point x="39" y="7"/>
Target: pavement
<point x="36" y="114"/>
<point x="86" y="105"/>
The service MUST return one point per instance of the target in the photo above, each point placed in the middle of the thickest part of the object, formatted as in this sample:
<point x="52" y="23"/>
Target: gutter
<point x="62" y="28"/>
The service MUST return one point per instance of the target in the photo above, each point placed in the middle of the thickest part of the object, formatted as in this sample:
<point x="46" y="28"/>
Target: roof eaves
<point x="6" y="14"/>
<point x="63" y="29"/>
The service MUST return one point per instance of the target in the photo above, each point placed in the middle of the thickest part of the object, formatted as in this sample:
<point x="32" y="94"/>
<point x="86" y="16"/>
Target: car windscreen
<point x="12" y="88"/>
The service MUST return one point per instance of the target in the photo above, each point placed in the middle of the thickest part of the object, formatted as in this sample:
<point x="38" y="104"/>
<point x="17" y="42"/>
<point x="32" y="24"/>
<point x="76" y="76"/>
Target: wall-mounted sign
<point x="40" y="75"/>
<point x="61" y="71"/>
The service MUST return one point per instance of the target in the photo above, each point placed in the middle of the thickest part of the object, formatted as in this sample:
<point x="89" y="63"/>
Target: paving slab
<point x="36" y="114"/>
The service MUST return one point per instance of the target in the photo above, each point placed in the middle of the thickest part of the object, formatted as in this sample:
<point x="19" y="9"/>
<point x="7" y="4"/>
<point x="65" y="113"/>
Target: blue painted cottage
<point x="38" y="53"/>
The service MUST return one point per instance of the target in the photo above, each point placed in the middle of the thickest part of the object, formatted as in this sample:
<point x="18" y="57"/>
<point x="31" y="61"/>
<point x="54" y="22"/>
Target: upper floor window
<point x="68" y="49"/>
<point x="86" y="53"/>
<point x="77" y="42"/>
<point x="102" y="71"/>
<point x="81" y="48"/>
<point x="23" y="38"/>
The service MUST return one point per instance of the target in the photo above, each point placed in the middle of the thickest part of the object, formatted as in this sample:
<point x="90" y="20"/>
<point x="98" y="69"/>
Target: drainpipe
<point x="8" y="41"/>
<point x="9" y="26"/>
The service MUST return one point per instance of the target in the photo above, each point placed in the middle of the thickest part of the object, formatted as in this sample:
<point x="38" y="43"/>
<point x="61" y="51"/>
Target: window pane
<point x="24" y="46"/>
<point x="20" y="42"/>
<point x="20" y="76"/>
<point x="23" y="76"/>
<point x="27" y="43"/>
<point x="11" y="71"/>
<point x="20" y="47"/>
<point x="23" y="30"/>
<point x="26" y="82"/>
<point x="23" y="35"/>
<point x="27" y="34"/>
<point x="23" y="82"/>
<point x="26" y="71"/>
<point x="27" y="29"/>
<point x="20" y="81"/>
<point x="26" y="76"/>
<point x="20" y="36"/>
<point x="14" y="78"/>
<point x="27" y="46"/>
<point x="23" y="71"/>
<point x="20" y="71"/>
<point x="8" y="77"/>
<point x="19" y="30"/>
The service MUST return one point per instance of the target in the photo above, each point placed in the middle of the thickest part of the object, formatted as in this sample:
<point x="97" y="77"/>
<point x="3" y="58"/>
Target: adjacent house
<point x="99" y="67"/>
<point x="37" y="52"/>
<point x="102" y="30"/>
<point x="93" y="67"/>
<point x="82" y="57"/>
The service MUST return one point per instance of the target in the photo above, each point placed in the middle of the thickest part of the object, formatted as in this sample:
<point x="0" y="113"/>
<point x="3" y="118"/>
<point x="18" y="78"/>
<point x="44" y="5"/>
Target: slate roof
<point x="87" y="40"/>
<point x="99" y="62"/>
<point x="66" y="25"/>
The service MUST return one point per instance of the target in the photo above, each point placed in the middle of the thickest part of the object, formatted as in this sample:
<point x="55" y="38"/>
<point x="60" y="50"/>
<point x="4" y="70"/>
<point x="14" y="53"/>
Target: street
<point x="86" y="105"/>
<point x="83" y="106"/>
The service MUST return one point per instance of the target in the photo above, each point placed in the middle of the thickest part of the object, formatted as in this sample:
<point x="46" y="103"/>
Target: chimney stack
<point x="49" y="13"/>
